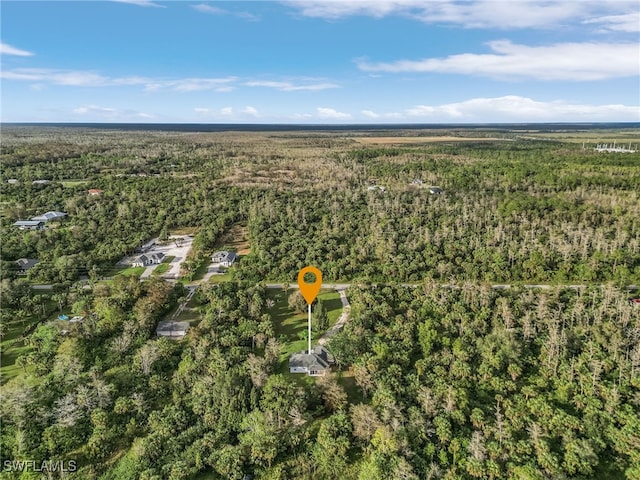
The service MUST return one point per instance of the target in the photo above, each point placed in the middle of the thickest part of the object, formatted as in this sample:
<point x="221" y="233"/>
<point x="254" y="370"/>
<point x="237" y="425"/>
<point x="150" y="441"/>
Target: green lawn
<point x="291" y="325"/>
<point x="130" y="271"/>
<point x="201" y="271"/>
<point x="225" y="277"/>
<point x="12" y="348"/>
<point x="164" y="266"/>
<point x="191" y="312"/>
<point x="333" y="304"/>
<point x="345" y="380"/>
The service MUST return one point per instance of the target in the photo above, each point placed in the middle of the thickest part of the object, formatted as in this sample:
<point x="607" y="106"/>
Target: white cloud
<point x="501" y="14"/>
<point x="629" y="22"/>
<point x="192" y="84"/>
<point x="210" y="9"/>
<point x="370" y="114"/>
<point x="98" y="113"/>
<point x="6" y="49"/>
<point x="141" y="3"/>
<point x="228" y="113"/>
<point x="57" y="77"/>
<point x="330" y="113"/>
<point x="563" y="61"/>
<point x="93" y="79"/>
<point x="290" y="87"/>
<point x="512" y="108"/>
<point x="204" y="8"/>
<point x="249" y="110"/>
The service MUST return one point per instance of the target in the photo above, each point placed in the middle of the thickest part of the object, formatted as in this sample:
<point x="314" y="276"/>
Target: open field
<point x="419" y="140"/>
<point x="590" y="137"/>
<point x="11" y="348"/>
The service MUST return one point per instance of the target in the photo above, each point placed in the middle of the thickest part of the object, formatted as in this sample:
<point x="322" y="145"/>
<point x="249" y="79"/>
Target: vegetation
<point x="446" y="377"/>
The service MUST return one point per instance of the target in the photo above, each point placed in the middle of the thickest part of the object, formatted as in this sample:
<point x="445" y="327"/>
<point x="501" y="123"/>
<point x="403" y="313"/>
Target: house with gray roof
<point x="29" y="224"/>
<point x="25" y="264"/>
<point x="315" y="364"/>
<point x="45" y="217"/>
<point x="169" y="328"/>
<point x="147" y="259"/>
<point x="224" y="258"/>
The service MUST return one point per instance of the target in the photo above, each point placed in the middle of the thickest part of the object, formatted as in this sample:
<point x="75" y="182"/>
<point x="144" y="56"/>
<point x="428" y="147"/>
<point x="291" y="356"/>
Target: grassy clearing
<point x="11" y="348"/>
<point x="290" y="326"/>
<point x="74" y="182"/>
<point x="348" y="382"/>
<point x="130" y="271"/>
<point x="333" y="304"/>
<point x="164" y="266"/>
<point x="201" y="271"/>
<point x="225" y="277"/>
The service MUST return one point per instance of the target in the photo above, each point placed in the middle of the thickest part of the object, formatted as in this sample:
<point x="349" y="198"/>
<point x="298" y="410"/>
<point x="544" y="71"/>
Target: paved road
<point x="497" y="286"/>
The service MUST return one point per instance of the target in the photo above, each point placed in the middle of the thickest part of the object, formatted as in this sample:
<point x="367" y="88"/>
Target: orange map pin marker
<point x="309" y="290"/>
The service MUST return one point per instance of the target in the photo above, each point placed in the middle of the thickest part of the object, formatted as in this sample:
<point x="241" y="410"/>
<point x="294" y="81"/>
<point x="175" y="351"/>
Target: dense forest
<point x="438" y="374"/>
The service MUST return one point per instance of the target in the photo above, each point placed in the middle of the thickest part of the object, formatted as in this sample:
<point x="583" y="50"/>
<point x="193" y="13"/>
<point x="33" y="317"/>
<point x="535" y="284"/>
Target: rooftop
<point x="169" y="328"/>
<point x="26" y="263"/>
<point x="225" y="256"/>
<point x="27" y="223"/>
<point x="49" y="216"/>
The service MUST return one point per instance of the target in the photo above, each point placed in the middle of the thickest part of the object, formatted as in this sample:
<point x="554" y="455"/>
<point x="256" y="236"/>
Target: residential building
<point x="29" y="224"/>
<point x="315" y="364"/>
<point x="224" y="258"/>
<point x="169" y="328"/>
<point x="25" y="264"/>
<point x="148" y="259"/>
<point x="95" y="191"/>
<point x="45" y="217"/>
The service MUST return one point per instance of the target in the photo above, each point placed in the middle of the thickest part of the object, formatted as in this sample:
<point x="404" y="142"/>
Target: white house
<point x="224" y="258"/>
<point x="148" y="259"/>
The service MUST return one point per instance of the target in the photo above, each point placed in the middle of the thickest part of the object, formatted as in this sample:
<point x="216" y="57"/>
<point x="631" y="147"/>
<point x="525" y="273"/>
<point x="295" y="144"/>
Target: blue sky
<point x="395" y="61"/>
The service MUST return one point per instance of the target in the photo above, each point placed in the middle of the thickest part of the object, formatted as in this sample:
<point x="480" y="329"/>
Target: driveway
<point x="170" y="249"/>
<point x="344" y="318"/>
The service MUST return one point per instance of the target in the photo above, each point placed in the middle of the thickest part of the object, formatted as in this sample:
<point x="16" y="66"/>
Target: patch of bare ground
<point x="236" y="238"/>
